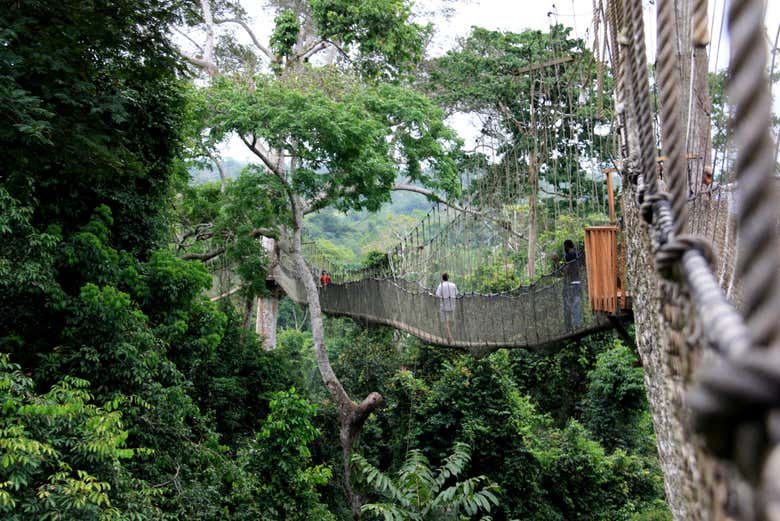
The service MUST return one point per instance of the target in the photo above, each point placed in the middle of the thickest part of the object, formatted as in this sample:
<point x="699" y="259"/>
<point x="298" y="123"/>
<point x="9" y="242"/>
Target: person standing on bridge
<point x="447" y="292"/>
<point x="572" y="287"/>
<point x="324" y="279"/>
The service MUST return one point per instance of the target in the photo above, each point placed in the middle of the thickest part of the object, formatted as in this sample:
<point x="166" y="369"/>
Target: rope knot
<point x="647" y="203"/>
<point x="729" y="404"/>
<point x="670" y="253"/>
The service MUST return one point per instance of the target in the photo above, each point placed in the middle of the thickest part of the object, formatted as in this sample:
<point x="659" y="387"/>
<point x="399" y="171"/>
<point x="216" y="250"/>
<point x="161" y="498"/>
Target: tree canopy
<point x="347" y="141"/>
<point x="131" y="392"/>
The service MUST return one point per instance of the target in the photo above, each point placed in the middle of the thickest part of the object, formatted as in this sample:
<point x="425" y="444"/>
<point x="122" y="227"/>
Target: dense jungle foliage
<point x="127" y="394"/>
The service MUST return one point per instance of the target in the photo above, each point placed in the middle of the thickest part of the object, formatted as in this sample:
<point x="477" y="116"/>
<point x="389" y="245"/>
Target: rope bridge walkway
<point x="498" y="304"/>
<point x="550" y="310"/>
<point x="683" y="213"/>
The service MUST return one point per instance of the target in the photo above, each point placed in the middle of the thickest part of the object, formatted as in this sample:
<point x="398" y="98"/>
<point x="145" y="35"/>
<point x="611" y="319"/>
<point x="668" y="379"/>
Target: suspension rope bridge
<point x="713" y="212"/>
<point x="552" y="309"/>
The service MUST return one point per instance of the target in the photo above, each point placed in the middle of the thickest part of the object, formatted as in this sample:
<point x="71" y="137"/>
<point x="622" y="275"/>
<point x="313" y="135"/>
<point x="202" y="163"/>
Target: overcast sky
<point x="518" y="15"/>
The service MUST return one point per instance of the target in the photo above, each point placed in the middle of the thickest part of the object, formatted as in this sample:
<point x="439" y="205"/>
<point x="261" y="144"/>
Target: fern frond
<point x="386" y="511"/>
<point x="380" y="481"/>
<point x="453" y="465"/>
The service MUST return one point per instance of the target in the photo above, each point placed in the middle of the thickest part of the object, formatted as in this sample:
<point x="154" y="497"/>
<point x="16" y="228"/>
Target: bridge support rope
<point x="736" y="401"/>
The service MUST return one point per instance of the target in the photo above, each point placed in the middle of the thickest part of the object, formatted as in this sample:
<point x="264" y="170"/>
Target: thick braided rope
<point x="641" y="95"/>
<point x="733" y="391"/>
<point x="672" y="253"/>
<point x="672" y="137"/>
<point x="733" y="398"/>
<point x="758" y="265"/>
<point x="724" y="328"/>
<point x="624" y="28"/>
<point x="615" y="19"/>
<point x="656" y="211"/>
<point x="715" y="399"/>
<point x="701" y="34"/>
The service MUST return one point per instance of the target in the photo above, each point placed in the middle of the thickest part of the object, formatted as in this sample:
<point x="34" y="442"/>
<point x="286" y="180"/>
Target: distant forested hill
<point x="347" y="238"/>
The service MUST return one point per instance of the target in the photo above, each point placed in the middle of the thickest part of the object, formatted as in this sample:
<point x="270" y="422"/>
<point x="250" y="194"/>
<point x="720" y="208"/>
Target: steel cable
<point x="671" y="131"/>
<point x="758" y="265"/>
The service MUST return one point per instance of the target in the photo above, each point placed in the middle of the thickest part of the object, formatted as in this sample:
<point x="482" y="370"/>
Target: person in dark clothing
<point x="572" y="287"/>
<point x="568" y="249"/>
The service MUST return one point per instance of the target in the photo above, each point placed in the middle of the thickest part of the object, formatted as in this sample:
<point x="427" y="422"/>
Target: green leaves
<point x="417" y="494"/>
<point x="616" y="400"/>
<point x="59" y="452"/>
<point x="280" y="458"/>
<point x="285" y="33"/>
<point x="26" y="253"/>
<point x="350" y="140"/>
<point x="384" y="39"/>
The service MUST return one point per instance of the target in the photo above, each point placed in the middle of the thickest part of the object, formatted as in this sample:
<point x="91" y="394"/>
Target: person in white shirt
<point x="447" y="292"/>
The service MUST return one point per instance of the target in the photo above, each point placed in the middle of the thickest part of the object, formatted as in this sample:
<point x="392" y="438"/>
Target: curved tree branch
<point x="188" y="37"/>
<point x="251" y="34"/>
<point x="264" y="155"/>
<point x="209" y="66"/>
<point x="220" y="168"/>
<point x="312" y="50"/>
<point x="338" y="48"/>
<point x="204" y="256"/>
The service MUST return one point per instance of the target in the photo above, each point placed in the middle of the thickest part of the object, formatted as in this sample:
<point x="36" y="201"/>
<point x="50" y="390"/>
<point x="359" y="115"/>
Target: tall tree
<point x="540" y="96"/>
<point x="338" y="135"/>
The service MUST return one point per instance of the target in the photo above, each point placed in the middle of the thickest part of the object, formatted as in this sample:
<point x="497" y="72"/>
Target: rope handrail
<point x="732" y="399"/>
<point x="542" y="315"/>
<point x="558" y="273"/>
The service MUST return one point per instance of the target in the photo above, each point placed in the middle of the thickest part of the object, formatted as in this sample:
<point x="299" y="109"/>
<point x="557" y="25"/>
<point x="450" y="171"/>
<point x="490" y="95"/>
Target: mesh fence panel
<point x="552" y="309"/>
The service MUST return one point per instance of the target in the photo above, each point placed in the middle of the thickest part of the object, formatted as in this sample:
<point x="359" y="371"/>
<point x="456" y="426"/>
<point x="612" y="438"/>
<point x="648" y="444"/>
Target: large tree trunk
<point x="267" y="308"/>
<point x="265" y="320"/>
<point x="352" y="416"/>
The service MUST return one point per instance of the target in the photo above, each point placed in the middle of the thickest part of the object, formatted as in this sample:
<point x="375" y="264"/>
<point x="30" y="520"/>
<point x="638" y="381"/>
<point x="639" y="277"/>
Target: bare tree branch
<point x="264" y="155"/>
<point x="209" y="66"/>
<point x="220" y="169"/>
<point x="406" y="186"/>
<point x="188" y="37"/>
<point x="251" y="34"/>
<point x="208" y="49"/>
<point x="204" y="256"/>
<point x="265" y="232"/>
<point x="227" y="293"/>
<point x="339" y="49"/>
<point x="312" y="50"/>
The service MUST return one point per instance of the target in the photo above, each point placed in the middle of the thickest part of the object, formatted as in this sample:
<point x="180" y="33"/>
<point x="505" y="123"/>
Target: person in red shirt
<point x="324" y="279"/>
